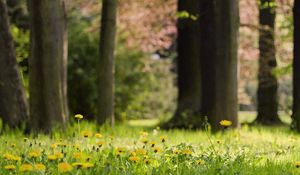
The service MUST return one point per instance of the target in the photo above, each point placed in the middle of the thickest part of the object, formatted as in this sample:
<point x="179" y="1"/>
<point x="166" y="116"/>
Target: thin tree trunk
<point x="267" y="100"/>
<point x="47" y="105"/>
<point x="296" y="67"/>
<point x="105" y="65"/>
<point x="219" y="21"/>
<point x="13" y="104"/>
<point x="188" y="64"/>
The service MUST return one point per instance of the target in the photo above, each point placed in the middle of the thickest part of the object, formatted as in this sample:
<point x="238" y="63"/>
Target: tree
<point x="267" y="100"/>
<point x="296" y="67"/>
<point x="188" y="67"/>
<point x="105" y="64"/>
<point x="219" y="21"/>
<point x="47" y="64"/>
<point x="13" y="104"/>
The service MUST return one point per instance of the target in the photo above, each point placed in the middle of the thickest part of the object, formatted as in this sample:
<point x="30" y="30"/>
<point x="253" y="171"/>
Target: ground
<point x="138" y="147"/>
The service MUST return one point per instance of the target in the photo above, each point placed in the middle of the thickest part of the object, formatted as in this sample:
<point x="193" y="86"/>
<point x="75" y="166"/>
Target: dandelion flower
<point x="134" y="159"/>
<point x="187" y="152"/>
<point x="77" y="165"/>
<point x="64" y="167"/>
<point x="40" y="167"/>
<point x="52" y="157"/>
<point x="34" y="154"/>
<point x="98" y="135"/>
<point x="78" y="116"/>
<point x="26" y="167"/>
<point x="10" y="167"/>
<point x="225" y="123"/>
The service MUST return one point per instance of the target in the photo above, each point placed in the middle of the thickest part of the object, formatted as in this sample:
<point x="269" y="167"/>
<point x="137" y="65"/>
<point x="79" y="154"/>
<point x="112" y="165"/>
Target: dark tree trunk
<point x="219" y="21"/>
<point x="13" y="105"/>
<point x="46" y="64"/>
<point x="296" y="67"/>
<point x="105" y="65"/>
<point x="188" y="65"/>
<point x="267" y="102"/>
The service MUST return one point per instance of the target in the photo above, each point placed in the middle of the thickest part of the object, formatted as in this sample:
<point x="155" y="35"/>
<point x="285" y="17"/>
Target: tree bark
<point x="267" y="100"/>
<point x="13" y="104"/>
<point x="219" y="21"/>
<point x="296" y="68"/>
<point x="47" y="64"/>
<point x="105" y="65"/>
<point x="188" y="68"/>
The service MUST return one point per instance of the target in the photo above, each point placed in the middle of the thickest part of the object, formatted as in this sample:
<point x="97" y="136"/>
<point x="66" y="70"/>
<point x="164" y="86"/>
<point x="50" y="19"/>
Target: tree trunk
<point x="296" y="67"/>
<point x="219" y="21"/>
<point x="267" y="102"/>
<point x="105" y="65"/>
<point x="46" y="64"/>
<point x="13" y="105"/>
<point x="188" y="65"/>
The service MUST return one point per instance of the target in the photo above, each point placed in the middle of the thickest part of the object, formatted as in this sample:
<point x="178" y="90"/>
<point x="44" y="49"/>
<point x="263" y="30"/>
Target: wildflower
<point x="52" y="157"/>
<point x="225" y="123"/>
<point x="157" y="149"/>
<point x="144" y="134"/>
<point x="163" y="138"/>
<point x="98" y="135"/>
<point x="86" y="134"/>
<point x="59" y="155"/>
<point x="26" y="167"/>
<point x="88" y="165"/>
<point x="187" y="152"/>
<point x="121" y="150"/>
<point x="141" y="151"/>
<point x="77" y="165"/>
<point x="12" y="157"/>
<point x="100" y="143"/>
<point x="147" y="161"/>
<point x="77" y="155"/>
<point x="64" y="167"/>
<point x="176" y="151"/>
<point x="13" y="145"/>
<point x="40" y="167"/>
<point x="152" y="144"/>
<point x="200" y="162"/>
<point x="134" y="159"/>
<point x="144" y="140"/>
<point x="297" y="164"/>
<point x="10" y="167"/>
<point x="54" y="145"/>
<point x="78" y="116"/>
<point x="34" y="154"/>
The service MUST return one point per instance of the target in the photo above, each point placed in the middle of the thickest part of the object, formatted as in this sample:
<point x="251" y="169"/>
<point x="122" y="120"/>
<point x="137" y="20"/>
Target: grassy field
<point x="140" y="148"/>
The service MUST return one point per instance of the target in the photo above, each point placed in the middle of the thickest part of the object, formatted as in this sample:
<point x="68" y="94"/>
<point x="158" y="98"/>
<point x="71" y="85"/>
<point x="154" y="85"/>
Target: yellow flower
<point x="225" y="123"/>
<point x="40" y="167"/>
<point x="144" y="134"/>
<point x="157" y="149"/>
<point x="121" y="150"/>
<point x="52" y="157"/>
<point x="10" y="167"/>
<point x="144" y="140"/>
<point x="77" y="155"/>
<point x="54" y="145"/>
<point x="152" y="144"/>
<point x="98" y="135"/>
<point x="88" y="165"/>
<point x="140" y="151"/>
<point x="59" y="155"/>
<point x="176" y="151"/>
<point x="64" y="167"/>
<point x="34" y="154"/>
<point x="78" y="116"/>
<point x="100" y="143"/>
<point x="187" y="152"/>
<point x="12" y="157"/>
<point x="147" y="161"/>
<point x="77" y="165"/>
<point x="134" y="159"/>
<point x="200" y="162"/>
<point x="26" y="167"/>
<point x="297" y="164"/>
<point x="86" y="134"/>
<point x="163" y="138"/>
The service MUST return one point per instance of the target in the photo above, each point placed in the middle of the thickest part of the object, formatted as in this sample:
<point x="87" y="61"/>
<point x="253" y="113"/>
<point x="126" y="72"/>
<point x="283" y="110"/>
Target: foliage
<point x="249" y="150"/>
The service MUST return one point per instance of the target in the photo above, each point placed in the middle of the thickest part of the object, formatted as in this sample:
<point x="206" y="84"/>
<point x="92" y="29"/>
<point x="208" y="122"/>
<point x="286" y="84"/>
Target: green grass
<point x="248" y="150"/>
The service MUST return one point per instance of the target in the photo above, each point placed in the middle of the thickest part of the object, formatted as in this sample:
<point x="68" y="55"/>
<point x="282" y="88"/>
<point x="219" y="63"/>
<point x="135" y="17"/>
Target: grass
<point x="136" y="148"/>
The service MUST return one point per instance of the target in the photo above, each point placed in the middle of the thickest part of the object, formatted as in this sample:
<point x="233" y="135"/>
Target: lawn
<point x="140" y="148"/>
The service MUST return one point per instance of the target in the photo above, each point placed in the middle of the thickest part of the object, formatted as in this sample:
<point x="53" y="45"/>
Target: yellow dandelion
<point x="200" y="162"/>
<point x="78" y="116"/>
<point x="121" y="150"/>
<point x="297" y="164"/>
<point x="100" y="143"/>
<point x="54" y="145"/>
<point x="134" y="159"/>
<point x="163" y="138"/>
<point x="77" y="165"/>
<point x="64" y="167"/>
<point x="59" y="155"/>
<point x="225" y="123"/>
<point x="98" y="135"/>
<point x="10" y="167"/>
<point x="88" y="165"/>
<point x="141" y="152"/>
<point x="152" y="144"/>
<point x="34" y="154"/>
<point x="52" y="157"/>
<point x="187" y="152"/>
<point x="157" y="149"/>
<point x="40" y="167"/>
<point x="26" y="167"/>
<point x="77" y="155"/>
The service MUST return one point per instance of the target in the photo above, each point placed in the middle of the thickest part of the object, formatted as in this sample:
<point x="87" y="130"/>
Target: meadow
<point x="139" y="147"/>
